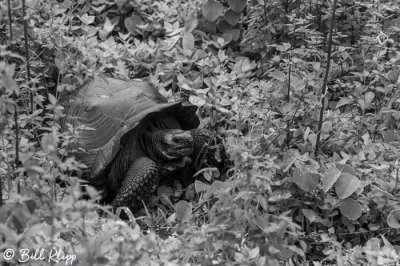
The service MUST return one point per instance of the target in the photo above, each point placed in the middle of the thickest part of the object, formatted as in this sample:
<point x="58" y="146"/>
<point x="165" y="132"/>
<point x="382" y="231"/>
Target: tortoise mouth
<point x="184" y="151"/>
<point x="177" y="153"/>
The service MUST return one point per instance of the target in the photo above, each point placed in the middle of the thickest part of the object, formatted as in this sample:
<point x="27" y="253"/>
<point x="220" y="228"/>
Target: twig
<point x="288" y="101"/>
<point x="28" y="68"/>
<point x="325" y="83"/>
<point x="10" y="23"/>
<point x="16" y="160"/>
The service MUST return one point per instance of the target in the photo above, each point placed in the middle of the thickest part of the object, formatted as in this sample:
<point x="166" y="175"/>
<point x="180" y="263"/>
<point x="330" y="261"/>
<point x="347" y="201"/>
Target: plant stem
<point x="325" y="83"/>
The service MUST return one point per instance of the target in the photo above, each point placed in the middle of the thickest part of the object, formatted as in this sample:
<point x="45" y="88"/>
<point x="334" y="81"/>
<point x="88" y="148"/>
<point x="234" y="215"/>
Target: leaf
<point x="344" y="101"/>
<point x="306" y="180"/>
<point x="393" y="75"/>
<point x="183" y="211"/>
<point x="345" y="168"/>
<point x="209" y="173"/>
<point x="310" y="215"/>
<point x="329" y="178"/>
<point x="86" y="19"/>
<point x="312" y="138"/>
<point x="223" y="26"/>
<point x="368" y="97"/>
<point x="209" y="27"/>
<point x="201" y="187"/>
<point x="278" y="75"/>
<point x="169" y="43"/>
<point x="390" y="136"/>
<point x="289" y="158"/>
<point x="49" y="143"/>
<point x="361" y="103"/>
<point x="196" y="100"/>
<point x="346" y="185"/>
<point x="52" y="99"/>
<point x="132" y="23"/>
<point x="393" y="219"/>
<point x="237" y="5"/>
<point x="191" y="24"/>
<point x="232" y="17"/>
<point x="188" y="43"/>
<point x="60" y="60"/>
<point x="254" y="253"/>
<point x="243" y="65"/>
<point x="211" y="10"/>
<point x="235" y="34"/>
<point x="166" y="201"/>
<point x="190" y="193"/>
<point x="21" y="213"/>
<point x="108" y="26"/>
<point x="228" y="37"/>
<point x="127" y="212"/>
<point x="7" y="81"/>
<point x="350" y="209"/>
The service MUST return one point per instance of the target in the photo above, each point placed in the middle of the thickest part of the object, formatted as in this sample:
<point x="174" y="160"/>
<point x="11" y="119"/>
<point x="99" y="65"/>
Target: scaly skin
<point x="157" y="147"/>
<point x="205" y="147"/>
<point x="143" y="176"/>
<point x="140" y="182"/>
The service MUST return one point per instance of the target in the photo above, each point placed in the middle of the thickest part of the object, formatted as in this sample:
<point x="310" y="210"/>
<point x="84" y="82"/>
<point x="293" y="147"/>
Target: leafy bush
<point x="296" y="193"/>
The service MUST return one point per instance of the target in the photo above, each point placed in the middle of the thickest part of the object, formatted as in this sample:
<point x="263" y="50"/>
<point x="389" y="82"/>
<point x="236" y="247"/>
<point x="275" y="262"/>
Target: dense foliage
<point x="304" y="187"/>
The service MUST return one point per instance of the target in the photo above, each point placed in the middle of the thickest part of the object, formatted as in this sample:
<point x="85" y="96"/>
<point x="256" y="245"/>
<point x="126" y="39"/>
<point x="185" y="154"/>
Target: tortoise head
<point x="171" y="144"/>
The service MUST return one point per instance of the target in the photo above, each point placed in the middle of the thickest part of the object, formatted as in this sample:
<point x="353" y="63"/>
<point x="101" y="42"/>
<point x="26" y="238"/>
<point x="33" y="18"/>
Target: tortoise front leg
<point x="140" y="182"/>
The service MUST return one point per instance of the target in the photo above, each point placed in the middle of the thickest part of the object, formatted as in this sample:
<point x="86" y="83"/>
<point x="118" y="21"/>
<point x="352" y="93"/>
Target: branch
<point x="28" y="68"/>
<point x="325" y="83"/>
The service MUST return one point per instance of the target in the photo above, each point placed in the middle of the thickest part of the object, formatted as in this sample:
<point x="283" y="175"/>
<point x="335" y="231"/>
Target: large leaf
<point x="393" y="75"/>
<point x="232" y="17"/>
<point x="350" y="209"/>
<point x="132" y="23"/>
<point x="201" y="187"/>
<point x="393" y="219"/>
<point x="188" y="43"/>
<point x="183" y="211"/>
<point x="17" y="215"/>
<point x="369" y="97"/>
<point x="191" y="23"/>
<point x="344" y="101"/>
<point x="85" y="18"/>
<point x="345" y="168"/>
<point x="329" y="178"/>
<point x="197" y="100"/>
<point x="289" y="158"/>
<point x="306" y="180"/>
<point x="311" y="215"/>
<point x="223" y="26"/>
<point x="346" y="185"/>
<point x="237" y="5"/>
<point x="212" y="10"/>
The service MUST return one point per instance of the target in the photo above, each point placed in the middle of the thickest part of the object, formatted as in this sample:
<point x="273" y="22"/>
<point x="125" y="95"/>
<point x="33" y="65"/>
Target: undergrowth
<point x="256" y="70"/>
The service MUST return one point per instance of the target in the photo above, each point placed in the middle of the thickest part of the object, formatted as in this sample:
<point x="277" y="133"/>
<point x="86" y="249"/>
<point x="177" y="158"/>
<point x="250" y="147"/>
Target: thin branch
<point x="28" y="69"/>
<point x="325" y="83"/>
<point x="10" y="23"/>
<point x="288" y="101"/>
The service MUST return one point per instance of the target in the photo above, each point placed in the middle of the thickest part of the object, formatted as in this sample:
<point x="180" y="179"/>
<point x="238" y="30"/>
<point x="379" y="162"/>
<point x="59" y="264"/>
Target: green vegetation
<point x="308" y="107"/>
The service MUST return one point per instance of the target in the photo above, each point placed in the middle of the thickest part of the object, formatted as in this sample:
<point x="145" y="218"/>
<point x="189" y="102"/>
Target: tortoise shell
<point x="105" y="109"/>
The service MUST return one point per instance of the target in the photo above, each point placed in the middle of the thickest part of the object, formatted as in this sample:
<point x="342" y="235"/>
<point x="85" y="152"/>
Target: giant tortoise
<point x="131" y="137"/>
